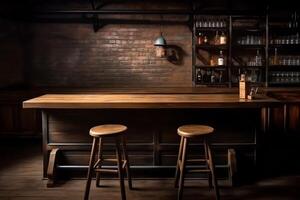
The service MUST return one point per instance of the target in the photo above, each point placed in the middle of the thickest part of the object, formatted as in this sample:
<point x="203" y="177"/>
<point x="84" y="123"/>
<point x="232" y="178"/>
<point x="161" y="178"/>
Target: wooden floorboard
<point x="21" y="178"/>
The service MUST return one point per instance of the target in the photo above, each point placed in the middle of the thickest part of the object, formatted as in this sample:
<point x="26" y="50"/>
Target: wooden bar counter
<point x="98" y="101"/>
<point x="152" y="120"/>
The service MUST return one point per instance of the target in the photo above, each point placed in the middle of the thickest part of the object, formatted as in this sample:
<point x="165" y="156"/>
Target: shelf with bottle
<point x="210" y="22"/>
<point x="215" y="59"/>
<point x="283" y="60"/>
<point x="285" y="39"/>
<point x="210" y="40"/>
<point x="206" y="76"/>
<point x="284" y="77"/>
<point x="253" y="76"/>
<point x="249" y="60"/>
<point x="249" y="40"/>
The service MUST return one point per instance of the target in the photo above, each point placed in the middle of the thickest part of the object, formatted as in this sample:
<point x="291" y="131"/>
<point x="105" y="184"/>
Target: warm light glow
<point x="160" y="52"/>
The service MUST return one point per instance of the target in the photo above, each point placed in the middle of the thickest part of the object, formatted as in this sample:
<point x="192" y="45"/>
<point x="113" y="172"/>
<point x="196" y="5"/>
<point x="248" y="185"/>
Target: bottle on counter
<point x="243" y="87"/>
<point x="221" y="59"/>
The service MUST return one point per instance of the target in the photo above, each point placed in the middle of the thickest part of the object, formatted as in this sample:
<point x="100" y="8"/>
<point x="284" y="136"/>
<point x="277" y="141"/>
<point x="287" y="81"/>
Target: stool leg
<point x="212" y="168"/>
<point x="100" y="149"/>
<point x="207" y="164"/>
<point x="89" y="176"/>
<point x="127" y="162"/>
<point x="177" y="173"/>
<point x="120" y="169"/>
<point x="182" y="172"/>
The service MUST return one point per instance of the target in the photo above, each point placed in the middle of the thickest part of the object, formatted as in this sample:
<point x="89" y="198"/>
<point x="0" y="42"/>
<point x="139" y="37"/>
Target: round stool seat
<point x="192" y="130"/>
<point x="107" y="129"/>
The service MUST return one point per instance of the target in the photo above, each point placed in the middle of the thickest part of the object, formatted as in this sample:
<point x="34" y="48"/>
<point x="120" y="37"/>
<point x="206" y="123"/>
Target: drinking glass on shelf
<point x="282" y="75"/>
<point x="282" y="40"/>
<point x="293" y="77"/>
<point x="293" y="62"/>
<point x="289" y="60"/>
<point x="277" y="76"/>
<point x="247" y="40"/>
<point x="204" y="23"/>
<point x="209" y="23"/>
<point x="284" y="61"/>
<point x="297" y="75"/>
<point x="259" y="40"/>
<point x="213" y="23"/>
<point x="297" y="60"/>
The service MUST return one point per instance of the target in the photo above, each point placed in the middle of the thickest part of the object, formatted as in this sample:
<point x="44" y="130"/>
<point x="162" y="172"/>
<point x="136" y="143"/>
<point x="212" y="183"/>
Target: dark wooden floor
<point x="21" y="178"/>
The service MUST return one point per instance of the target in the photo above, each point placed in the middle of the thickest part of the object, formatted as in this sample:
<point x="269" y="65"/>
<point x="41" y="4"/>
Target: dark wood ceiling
<point x="23" y="9"/>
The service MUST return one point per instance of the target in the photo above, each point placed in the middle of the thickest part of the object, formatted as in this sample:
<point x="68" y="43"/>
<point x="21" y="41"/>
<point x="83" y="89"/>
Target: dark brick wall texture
<point x="73" y="55"/>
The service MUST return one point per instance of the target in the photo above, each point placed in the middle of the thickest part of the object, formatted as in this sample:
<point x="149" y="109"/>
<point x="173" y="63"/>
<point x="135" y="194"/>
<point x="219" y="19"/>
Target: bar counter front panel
<point x="152" y="121"/>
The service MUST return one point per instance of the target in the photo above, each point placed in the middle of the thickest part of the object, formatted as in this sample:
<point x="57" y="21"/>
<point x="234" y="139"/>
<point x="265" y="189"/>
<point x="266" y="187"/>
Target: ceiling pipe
<point x="118" y="12"/>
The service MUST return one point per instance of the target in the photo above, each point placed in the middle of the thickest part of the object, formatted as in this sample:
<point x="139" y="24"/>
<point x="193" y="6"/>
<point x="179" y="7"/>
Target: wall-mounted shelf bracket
<point x="96" y="21"/>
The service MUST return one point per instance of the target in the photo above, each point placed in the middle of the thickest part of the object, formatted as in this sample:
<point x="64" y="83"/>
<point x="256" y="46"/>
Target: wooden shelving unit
<point x="247" y="37"/>
<point x="206" y="70"/>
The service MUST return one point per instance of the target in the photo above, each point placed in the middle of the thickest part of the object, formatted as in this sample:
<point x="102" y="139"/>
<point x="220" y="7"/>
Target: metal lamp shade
<point x="160" y="41"/>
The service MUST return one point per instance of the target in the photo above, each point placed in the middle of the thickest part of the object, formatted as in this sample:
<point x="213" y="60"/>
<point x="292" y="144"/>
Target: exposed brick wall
<point x="72" y="55"/>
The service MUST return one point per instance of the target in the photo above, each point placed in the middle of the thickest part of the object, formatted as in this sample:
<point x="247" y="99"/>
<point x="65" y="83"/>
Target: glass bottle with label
<point x="200" y="38"/>
<point x="221" y="77"/>
<point x="275" y="60"/>
<point x="205" y="40"/>
<point x="199" y="76"/>
<point x="258" y="59"/>
<point x="223" y="38"/>
<point x="217" y="39"/>
<point x="221" y="59"/>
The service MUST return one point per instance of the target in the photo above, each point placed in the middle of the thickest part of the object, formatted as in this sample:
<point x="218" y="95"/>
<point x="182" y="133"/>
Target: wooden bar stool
<point x="188" y="132"/>
<point x="115" y="131"/>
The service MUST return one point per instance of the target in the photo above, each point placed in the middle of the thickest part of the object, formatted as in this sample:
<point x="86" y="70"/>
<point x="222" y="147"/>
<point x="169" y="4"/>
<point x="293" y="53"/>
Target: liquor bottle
<point x="243" y="87"/>
<point x="221" y="77"/>
<point x="253" y="76"/>
<point x="200" y="38"/>
<point x="221" y="59"/>
<point x="275" y="60"/>
<point x="223" y="38"/>
<point x="217" y="39"/>
<point x="212" y="61"/>
<point x="213" y="77"/>
<point x="258" y="59"/>
<point x="205" y="40"/>
<point x="199" y="76"/>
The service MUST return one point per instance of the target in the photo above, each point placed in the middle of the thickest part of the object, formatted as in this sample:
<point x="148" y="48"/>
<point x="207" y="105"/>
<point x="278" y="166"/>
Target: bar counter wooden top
<point x="99" y="101"/>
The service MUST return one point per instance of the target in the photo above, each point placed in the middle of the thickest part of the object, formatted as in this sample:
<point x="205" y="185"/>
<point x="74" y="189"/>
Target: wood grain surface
<point x="94" y="101"/>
